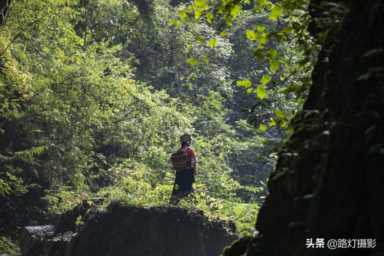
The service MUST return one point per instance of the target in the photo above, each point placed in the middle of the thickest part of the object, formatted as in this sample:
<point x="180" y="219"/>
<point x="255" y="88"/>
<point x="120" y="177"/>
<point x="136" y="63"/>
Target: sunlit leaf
<point x="212" y="42"/>
<point x="262" y="128"/>
<point x="262" y="2"/>
<point x="272" y="53"/>
<point x="251" y="35"/>
<point x="183" y="15"/>
<point x="272" y="122"/>
<point x="265" y="80"/>
<point x="276" y="12"/>
<point x="192" y="61"/>
<point x="235" y="11"/>
<point x="260" y="28"/>
<point x="263" y="39"/>
<point x="198" y="14"/>
<point x="205" y="59"/>
<point x="244" y="83"/>
<point x="201" y="4"/>
<point x="224" y="34"/>
<point x="279" y="114"/>
<point x="261" y="92"/>
<point x="209" y="18"/>
<point x="284" y="124"/>
<point x="274" y="65"/>
<point x="175" y="22"/>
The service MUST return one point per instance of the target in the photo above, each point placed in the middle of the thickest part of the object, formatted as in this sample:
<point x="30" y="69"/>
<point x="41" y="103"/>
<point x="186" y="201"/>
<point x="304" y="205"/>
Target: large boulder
<point x="127" y="230"/>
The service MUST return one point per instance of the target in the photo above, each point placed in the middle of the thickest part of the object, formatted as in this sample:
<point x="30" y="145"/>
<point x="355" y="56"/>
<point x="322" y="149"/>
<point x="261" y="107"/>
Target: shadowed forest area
<point x="94" y="95"/>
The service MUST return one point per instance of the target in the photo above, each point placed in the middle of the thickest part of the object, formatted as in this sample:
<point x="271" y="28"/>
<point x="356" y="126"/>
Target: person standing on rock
<point x="185" y="164"/>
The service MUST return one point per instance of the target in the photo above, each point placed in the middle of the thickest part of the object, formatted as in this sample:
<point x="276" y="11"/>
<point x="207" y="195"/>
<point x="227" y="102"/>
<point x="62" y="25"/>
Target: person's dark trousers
<point x="183" y="185"/>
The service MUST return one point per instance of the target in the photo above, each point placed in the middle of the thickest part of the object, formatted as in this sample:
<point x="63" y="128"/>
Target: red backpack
<point x="180" y="160"/>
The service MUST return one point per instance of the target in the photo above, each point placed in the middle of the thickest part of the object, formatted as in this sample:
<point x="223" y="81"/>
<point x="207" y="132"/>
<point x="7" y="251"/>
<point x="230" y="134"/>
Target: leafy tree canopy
<point x="94" y="95"/>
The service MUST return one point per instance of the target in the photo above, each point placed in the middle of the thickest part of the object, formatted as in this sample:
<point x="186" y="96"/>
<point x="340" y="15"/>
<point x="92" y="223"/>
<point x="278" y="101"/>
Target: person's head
<point x="185" y="140"/>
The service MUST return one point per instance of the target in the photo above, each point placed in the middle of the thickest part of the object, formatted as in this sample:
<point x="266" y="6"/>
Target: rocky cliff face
<point x="133" y="231"/>
<point x="329" y="180"/>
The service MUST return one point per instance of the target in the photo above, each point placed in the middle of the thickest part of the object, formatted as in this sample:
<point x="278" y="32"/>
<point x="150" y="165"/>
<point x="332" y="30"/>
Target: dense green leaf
<point x="251" y="35"/>
<point x="265" y="80"/>
<point x="274" y="66"/>
<point x="235" y="11"/>
<point x="262" y="128"/>
<point x="276" y="12"/>
<point x="279" y="114"/>
<point x="192" y="61"/>
<point x="244" y="83"/>
<point x="212" y="42"/>
<point x="261" y="92"/>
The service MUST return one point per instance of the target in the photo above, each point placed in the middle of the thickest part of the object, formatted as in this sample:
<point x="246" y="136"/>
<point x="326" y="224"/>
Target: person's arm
<point x="193" y="162"/>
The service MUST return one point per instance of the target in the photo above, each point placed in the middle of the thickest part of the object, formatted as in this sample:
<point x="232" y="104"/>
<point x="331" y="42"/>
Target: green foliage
<point x="11" y="184"/>
<point x="244" y="83"/>
<point x="242" y="214"/>
<point x="94" y="95"/>
<point x="136" y="187"/>
<point x="275" y="33"/>
<point x="64" y="199"/>
<point x="8" y="247"/>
